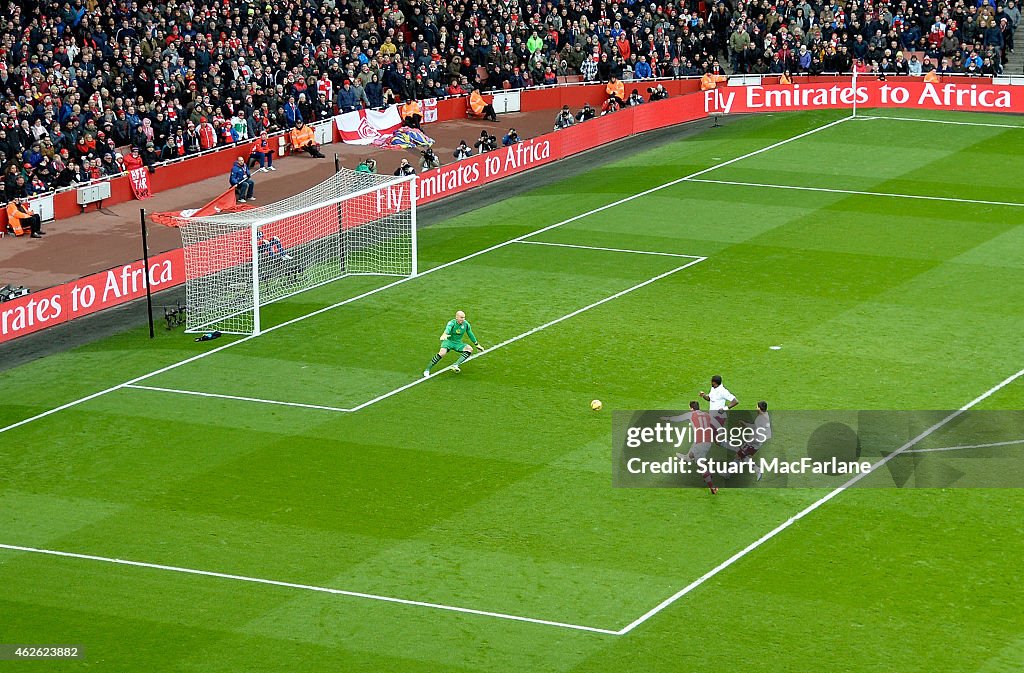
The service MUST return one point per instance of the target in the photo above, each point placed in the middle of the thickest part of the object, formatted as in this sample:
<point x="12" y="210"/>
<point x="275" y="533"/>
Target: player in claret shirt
<point x="451" y="340"/>
<point x="703" y="438"/>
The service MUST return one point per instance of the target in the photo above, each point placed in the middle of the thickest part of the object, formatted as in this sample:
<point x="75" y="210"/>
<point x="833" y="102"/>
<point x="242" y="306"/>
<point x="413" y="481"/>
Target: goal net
<point x="352" y="223"/>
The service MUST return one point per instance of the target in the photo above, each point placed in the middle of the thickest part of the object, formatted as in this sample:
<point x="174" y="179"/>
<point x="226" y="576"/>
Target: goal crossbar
<point x="237" y="262"/>
<point x="338" y="199"/>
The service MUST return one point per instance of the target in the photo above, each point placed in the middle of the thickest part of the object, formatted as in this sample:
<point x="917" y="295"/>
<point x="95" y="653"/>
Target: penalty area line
<point x="968" y="446"/>
<point x="593" y="247"/>
<point x="415" y="382"/>
<point x="308" y="587"/>
<point x="856" y="192"/>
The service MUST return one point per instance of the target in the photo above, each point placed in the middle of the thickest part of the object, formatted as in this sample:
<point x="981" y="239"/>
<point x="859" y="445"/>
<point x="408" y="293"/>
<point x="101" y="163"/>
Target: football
<point x="596" y="405"/>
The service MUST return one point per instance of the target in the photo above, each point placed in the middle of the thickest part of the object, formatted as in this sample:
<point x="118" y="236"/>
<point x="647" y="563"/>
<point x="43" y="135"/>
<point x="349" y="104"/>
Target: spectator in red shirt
<point x="133" y="160"/>
<point x="207" y="134"/>
<point x="263" y="153"/>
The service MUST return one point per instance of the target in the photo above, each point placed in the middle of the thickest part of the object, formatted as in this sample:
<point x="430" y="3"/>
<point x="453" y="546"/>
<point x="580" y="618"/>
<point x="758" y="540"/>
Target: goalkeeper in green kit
<point x="451" y="340"/>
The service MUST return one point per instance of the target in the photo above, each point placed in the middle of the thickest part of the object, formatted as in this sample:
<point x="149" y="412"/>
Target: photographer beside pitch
<point x="564" y="119"/>
<point x="405" y="169"/>
<point x="486" y="143"/>
<point x="657" y="93"/>
<point x="463" y="151"/>
<point x="429" y="160"/>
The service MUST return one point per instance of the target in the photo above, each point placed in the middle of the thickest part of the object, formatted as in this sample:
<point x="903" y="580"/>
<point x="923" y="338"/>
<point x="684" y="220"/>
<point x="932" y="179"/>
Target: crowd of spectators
<point x="80" y="79"/>
<point x="904" y="37"/>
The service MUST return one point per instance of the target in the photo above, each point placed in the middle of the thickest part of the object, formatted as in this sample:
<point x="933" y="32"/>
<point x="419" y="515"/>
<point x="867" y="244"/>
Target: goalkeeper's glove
<point x="479" y="345"/>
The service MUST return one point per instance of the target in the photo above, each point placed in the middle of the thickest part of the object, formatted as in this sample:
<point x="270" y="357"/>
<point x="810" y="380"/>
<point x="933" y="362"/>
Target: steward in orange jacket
<point x="710" y="81"/>
<point x="303" y="140"/>
<point x="412" y="115"/>
<point x="479" y="107"/>
<point x="20" y="217"/>
<point x="615" y="88"/>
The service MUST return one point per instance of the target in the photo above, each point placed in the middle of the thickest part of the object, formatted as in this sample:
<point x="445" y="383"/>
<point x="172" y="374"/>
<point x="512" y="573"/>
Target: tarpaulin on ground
<point x="404" y="138"/>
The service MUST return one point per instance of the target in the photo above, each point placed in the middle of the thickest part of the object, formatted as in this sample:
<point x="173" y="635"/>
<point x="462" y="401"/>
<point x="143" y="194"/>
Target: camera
<point x="429" y="159"/>
<point x="9" y="292"/>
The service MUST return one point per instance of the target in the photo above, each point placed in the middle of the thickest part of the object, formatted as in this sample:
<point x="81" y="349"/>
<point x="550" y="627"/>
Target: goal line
<point x="941" y="121"/>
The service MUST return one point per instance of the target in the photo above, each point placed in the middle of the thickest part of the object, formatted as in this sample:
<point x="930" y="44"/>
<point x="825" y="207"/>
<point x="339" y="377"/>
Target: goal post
<point x="853" y="84"/>
<point x="351" y="224"/>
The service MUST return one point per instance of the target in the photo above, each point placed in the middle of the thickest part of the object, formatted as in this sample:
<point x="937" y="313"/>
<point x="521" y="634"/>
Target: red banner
<point x="139" y="180"/>
<point x="481" y="169"/>
<point x="960" y="95"/>
<point x="56" y="305"/>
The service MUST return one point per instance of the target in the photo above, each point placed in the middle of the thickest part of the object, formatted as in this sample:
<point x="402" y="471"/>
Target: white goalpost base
<point x="351" y="224"/>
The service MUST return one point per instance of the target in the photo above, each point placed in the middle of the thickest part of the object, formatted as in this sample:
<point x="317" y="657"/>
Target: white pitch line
<point x="941" y="121"/>
<point x="417" y="381"/>
<point x="240" y="398"/>
<point x="545" y="622"/>
<point x="593" y="247"/>
<point x="527" y="333"/>
<point x="307" y="587"/>
<point x="810" y="508"/>
<point x="856" y="192"/>
<point x="968" y="446"/>
<point x="599" y="209"/>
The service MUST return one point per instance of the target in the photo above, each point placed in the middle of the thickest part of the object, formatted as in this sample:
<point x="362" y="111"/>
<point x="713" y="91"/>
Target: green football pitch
<point x="305" y="501"/>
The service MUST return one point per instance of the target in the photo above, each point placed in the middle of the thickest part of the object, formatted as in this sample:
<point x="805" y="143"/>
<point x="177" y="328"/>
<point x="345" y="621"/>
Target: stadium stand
<point x="81" y="80"/>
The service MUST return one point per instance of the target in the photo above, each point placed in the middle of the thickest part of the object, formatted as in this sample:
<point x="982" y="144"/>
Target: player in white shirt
<point x="763" y="430"/>
<point x="720" y="400"/>
<point x="702" y="434"/>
